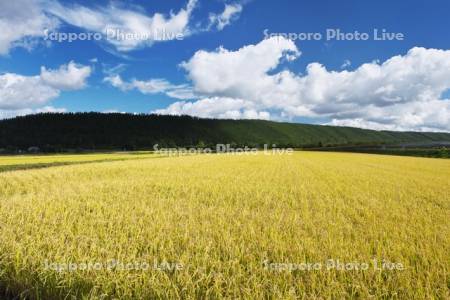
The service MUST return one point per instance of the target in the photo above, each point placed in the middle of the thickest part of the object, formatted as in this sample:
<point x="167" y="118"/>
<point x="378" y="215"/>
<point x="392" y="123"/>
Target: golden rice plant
<point x="302" y="226"/>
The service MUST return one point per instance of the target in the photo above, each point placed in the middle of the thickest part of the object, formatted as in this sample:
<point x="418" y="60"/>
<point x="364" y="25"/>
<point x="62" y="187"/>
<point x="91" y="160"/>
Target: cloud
<point x="215" y="107"/>
<point x="347" y="63"/>
<point x="6" y="114"/>
<point x="124" y="27"/>
<point x="22" y="21"/>
<point x="432" y="115"/>
<point x="26" y="92"/>
<point x="231" y="12"/>
<point x="152" y="86"/>
<point x="67" y="77"/>
<point x="402" y="93"/>
<point x="113" y="111"/>
<point x="17" y="91"/>
<point x="234" y="73"/>
<point x="113" y="70"/>
<point x="115" y="22"/>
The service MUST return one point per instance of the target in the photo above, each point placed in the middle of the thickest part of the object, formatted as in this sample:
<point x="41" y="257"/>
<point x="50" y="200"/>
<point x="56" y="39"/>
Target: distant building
<point x="34" y="149"/>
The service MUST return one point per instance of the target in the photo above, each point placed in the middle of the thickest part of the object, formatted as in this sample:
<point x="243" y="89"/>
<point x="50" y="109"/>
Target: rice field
<point x="23" y="162"/>
<point x="310" y="225"/>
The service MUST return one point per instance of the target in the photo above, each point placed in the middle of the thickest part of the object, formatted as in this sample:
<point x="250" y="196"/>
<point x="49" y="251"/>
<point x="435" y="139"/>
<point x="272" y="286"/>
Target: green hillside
<point x="95" y="131"/>
<point x="313" y="135"/>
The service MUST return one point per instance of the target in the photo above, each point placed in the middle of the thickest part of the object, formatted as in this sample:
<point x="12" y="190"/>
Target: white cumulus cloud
<point x="235" y="73"/>
<point x="67" y="77"/>
<point x="216" y="107"/>
<point x="402" y="93"/>
<point x="28" y="92"/>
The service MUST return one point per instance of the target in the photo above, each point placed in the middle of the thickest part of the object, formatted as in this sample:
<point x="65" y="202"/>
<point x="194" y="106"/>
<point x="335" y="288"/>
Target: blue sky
<point x="314" y="81"/>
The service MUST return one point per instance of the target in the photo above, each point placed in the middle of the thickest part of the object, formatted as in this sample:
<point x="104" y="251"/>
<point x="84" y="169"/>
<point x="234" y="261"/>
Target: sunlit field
<point x="308" y="225"/>
<point x="21" y="162"/>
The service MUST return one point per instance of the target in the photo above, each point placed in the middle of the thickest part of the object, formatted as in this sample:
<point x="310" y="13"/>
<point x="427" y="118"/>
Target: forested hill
<point x="57" y="132"/>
